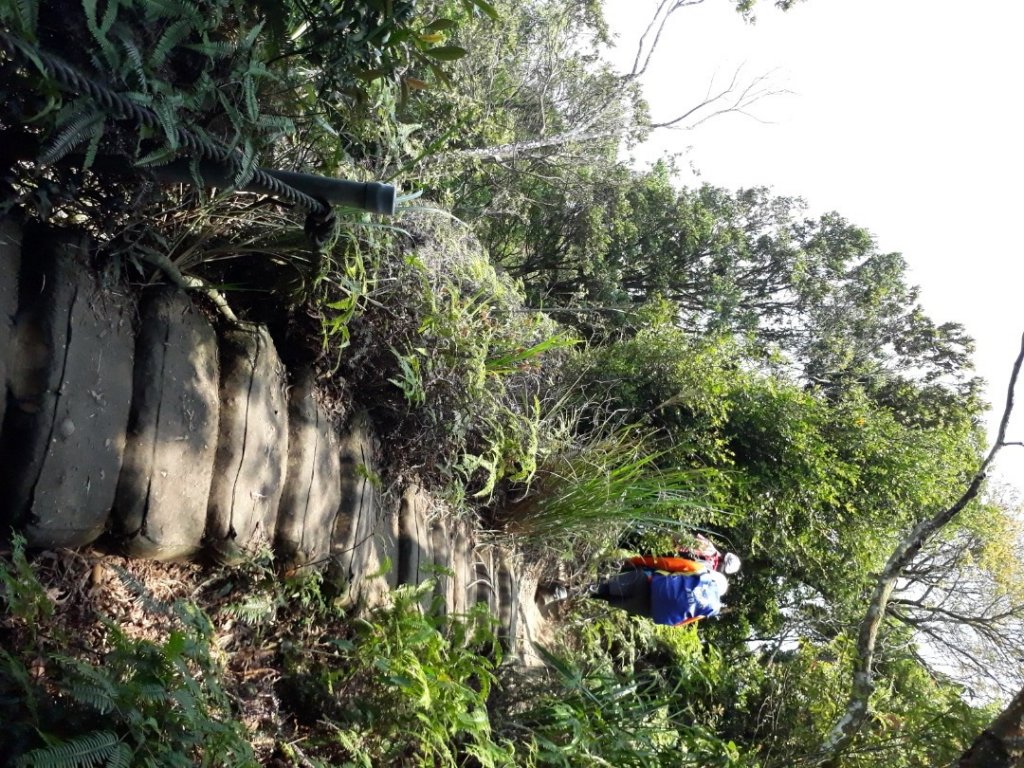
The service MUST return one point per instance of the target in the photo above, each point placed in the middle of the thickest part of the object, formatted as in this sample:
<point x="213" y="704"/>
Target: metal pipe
<point x="369" y="196"/>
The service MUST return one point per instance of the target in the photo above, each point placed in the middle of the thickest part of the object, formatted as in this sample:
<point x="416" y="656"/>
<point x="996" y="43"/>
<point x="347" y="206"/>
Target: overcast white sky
<point x="905" y="116"/>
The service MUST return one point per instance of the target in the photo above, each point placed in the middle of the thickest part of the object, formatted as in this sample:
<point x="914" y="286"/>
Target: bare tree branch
<point x="856" y="712"/>
<point x="657" y="26"/>
<point x="732" y="99"/>
<point x="593" y="119"/>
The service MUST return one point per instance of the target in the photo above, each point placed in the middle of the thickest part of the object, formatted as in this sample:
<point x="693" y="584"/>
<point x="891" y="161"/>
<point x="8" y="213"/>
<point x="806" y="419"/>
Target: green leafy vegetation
<point x="562" y="346"/>
<point x="132" y="701"/>
<point x="403" y="687"/>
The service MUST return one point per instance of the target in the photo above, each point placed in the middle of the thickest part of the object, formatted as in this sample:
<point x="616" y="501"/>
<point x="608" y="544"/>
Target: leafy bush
<point x="408" y="687"/>
<point x="584" y="715"/>
<point x="197" y="67"/>
<point x="228" y="70"/>
<point x="453" y="362"/>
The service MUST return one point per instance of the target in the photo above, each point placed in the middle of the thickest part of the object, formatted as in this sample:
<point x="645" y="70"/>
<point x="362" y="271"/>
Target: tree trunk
<point x="857" y="712"/>
<point x="1001" y="745"/>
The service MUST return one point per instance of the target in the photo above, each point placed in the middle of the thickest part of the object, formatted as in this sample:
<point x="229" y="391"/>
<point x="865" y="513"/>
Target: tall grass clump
<point x="595" y="487"/>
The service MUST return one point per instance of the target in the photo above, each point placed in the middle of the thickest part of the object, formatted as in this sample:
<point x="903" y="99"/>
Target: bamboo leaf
<point x="446" y="52"/>
<point x="416" y="84"/>
<point x="441" y="25"/>
<point x="489" y="10"/>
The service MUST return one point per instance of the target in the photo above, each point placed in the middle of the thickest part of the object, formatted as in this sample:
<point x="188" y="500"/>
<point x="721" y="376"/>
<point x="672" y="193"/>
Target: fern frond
<point x="193" y="617"/>
<point x="186" y="701"/>
<point x="151" y="693"/>
<point x="252" y="106"/>
<point x="194" y="101"/>
<point x="158" y="157"/>
<point x="99" y="29"/>
<point x="250" y="38"/>
<point x="91" y="696"/>
<point x="79" y="129"/>
<point x="213" y="49"/>
<point x="195" y="13"/>
<point x="248" y="166"/>
<point x="135" y="60"/>
<point x="233" y="115"/>
<point x="143" y="596"/>
<point x="101" y="677"/>
<point x="81" y="752"/>
<point x="14" y="670"/>
<point x="168" y="122"/>
<point x="255" y="610"/>
<point x="27" y="14"/>
<point x="143" y="99"/>
<point x="121" y="757"/>
<point x="109" y="16"/>
<point x="173" y="35"/>
<point x="94" y="145"/>
<point x="278" y="126"/>
<point x="172" y="10"/>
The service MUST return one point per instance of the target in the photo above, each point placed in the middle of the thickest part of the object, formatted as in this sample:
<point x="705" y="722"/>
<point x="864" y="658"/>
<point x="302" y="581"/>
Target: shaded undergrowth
<point x="151" y="664"/>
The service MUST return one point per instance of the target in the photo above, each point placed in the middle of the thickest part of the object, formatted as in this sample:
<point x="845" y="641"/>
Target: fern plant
<point x="196" y="66"/>
<point x="142" y="702"/>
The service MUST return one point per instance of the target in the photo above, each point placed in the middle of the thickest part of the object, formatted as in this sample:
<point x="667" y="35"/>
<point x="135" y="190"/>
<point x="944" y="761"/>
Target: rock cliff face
<point x="131" y="420"/>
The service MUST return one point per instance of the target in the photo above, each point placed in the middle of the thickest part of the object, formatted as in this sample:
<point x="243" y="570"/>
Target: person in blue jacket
<point x="675" y="599"/>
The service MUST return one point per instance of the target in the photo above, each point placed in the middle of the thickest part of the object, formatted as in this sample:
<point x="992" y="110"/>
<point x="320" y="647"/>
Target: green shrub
<point x="454" y="363"/>
<point x="585" y="715"/>
<point x="407" y="688"/>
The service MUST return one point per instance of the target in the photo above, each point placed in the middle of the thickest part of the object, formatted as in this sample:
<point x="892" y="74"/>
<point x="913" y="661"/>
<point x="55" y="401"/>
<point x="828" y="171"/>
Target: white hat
<point x="730" y="563"/>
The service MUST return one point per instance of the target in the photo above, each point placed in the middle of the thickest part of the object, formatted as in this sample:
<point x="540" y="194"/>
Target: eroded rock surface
<point x="364" y="547"/>
<point x="164" y="488"/>
<point x="312" y="489"/>
<point x="252" y="445"/>
<point x="69" y="377"/>
<point x="196" y="440"/>
<point x="10" y="267"/>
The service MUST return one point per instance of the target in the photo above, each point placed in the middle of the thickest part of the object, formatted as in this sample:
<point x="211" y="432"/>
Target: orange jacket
<point x="670" y="564"/>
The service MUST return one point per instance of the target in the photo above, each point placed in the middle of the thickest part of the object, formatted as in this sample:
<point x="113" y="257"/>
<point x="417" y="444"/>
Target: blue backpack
<point x="680" y="599"/>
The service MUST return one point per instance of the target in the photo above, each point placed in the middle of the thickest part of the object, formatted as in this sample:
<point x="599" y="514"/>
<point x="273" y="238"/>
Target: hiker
<point x="675" y="589"/>
<point x="675" y="599"/>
